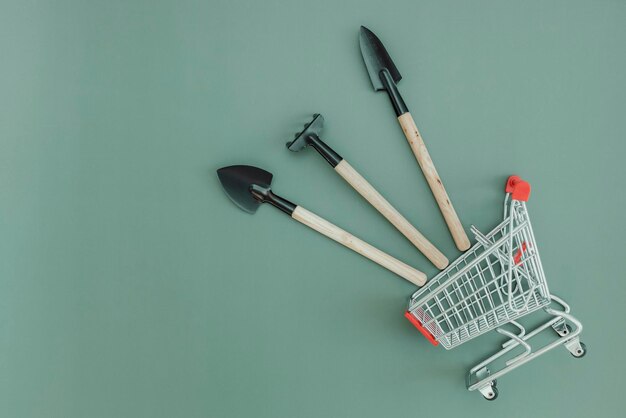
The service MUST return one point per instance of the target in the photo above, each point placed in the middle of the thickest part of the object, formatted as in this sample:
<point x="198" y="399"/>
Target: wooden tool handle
<point x="366" y="190"/>
<point x="430" y="172"/>
<point x="345" y="238"/>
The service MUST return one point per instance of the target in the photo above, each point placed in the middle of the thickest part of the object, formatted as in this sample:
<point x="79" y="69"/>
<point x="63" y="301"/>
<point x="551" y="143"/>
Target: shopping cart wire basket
<point x="497" y="281"/>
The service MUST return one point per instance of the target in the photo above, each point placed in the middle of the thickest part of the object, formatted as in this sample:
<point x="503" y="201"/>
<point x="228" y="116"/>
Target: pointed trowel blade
<point x="237" y="181"/>
<point x="376" y="58"/>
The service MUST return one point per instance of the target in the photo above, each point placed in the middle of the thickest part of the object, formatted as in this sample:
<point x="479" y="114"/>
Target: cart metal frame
<point x="497" y="281"/>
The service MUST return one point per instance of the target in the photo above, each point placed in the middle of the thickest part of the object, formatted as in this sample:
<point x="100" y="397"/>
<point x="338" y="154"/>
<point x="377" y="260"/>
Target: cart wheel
<point x="493" y="395"/>
<point x="581" y="353"/>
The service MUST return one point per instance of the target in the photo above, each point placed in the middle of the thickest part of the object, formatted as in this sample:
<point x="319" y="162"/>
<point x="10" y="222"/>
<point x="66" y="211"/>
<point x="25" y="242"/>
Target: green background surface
<point x="130" y="286"/>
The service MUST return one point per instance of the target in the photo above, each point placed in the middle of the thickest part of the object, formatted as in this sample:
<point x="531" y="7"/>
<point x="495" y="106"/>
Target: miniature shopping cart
<point x="497" y="281"/>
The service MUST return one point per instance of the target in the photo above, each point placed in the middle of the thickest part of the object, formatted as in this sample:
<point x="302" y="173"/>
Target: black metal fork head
<point x="311" y="129"/>
<point x="310" y="135"/>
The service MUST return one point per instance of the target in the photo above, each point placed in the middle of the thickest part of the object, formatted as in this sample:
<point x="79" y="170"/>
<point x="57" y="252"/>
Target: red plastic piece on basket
<point x="421" y="329"/>
<point x="517" y="258"/>
<point x="519" y="189"/>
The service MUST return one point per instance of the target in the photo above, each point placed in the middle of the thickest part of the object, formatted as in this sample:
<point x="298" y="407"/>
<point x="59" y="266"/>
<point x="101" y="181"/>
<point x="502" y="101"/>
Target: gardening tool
<point x="310" y="136"/>
<point x="384" y="76"/>
<point x="249" y="186"/>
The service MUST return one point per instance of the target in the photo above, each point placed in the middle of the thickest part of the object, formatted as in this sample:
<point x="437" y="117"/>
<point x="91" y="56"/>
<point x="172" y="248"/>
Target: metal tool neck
<point x="324" y="150"/>
<point x="265" y="195"/>
<point x="394" y="95"/>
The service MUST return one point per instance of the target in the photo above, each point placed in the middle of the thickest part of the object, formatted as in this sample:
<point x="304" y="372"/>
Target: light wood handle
<point x="430" y="172"/>
<point x="345" y="238"/>
<point x="366" y="190"/>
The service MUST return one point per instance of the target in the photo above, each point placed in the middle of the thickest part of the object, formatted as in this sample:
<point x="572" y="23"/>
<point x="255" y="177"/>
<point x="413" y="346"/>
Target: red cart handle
<point x="519" y="189"/>
<point x="517" y="258"/>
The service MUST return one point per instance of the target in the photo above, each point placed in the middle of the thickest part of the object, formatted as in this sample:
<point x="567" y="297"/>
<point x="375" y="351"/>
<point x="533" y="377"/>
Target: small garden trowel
<point x="384" y="76"/>
<point x="249" y="186"/>
<point x="311" y="136"/>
